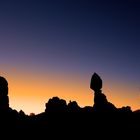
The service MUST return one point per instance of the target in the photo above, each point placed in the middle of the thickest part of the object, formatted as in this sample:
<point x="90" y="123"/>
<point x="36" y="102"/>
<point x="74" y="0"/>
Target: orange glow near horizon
<point x="30" y="92"/>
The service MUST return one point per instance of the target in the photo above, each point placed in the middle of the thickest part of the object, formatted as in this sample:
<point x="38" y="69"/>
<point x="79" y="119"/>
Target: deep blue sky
<point x="72" y="37"/>
<point x="83" y="33"/>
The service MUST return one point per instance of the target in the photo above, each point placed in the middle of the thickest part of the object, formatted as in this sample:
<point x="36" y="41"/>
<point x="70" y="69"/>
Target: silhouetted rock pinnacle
<point x="4" y="100"/>
<point x="100" y="100"/>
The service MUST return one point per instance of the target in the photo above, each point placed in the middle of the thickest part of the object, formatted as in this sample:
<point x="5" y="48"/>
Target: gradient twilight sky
<point x="52" y="47"/>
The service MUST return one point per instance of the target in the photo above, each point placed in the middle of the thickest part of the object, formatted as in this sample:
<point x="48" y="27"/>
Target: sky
<point x="52" y="47"/>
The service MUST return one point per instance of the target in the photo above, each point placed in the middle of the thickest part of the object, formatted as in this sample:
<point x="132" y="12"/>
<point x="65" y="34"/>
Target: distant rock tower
<point x="4" y="99"/>
<point x="100" y="100"/>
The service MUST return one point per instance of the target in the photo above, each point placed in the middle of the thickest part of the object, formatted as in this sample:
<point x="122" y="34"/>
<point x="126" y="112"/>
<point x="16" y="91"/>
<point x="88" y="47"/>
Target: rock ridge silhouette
<point x="60" y="118"/>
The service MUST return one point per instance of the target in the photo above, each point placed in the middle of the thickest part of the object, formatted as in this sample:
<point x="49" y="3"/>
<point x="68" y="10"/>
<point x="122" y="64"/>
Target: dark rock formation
<point x="56" y="105"/>
<point x="4" y="99"/>
<point x="100" y="101"/>
<point x="60" y="119"/>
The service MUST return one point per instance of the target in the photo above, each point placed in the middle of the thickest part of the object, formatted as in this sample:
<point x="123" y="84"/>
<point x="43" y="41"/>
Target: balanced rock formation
<point x="101" y="103"/>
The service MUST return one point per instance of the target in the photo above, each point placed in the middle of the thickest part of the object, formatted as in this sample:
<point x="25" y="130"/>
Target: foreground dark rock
<point x="62" y="120"/>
